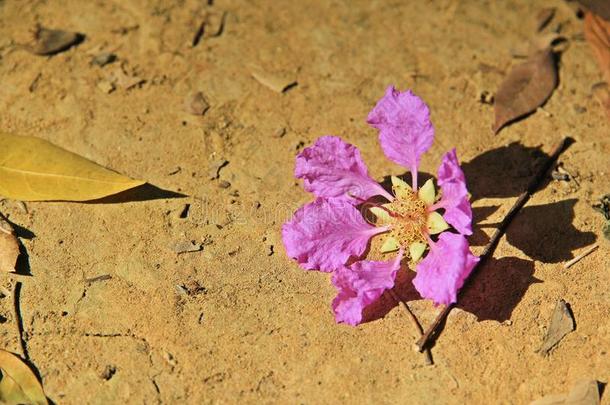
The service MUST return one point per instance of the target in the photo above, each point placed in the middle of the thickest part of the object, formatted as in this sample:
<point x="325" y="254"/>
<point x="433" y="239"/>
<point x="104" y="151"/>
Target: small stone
<point x="103" y="59"/>
<point x="196" y="104"/>
<point x="187" y="247"/>
<point x="224" y="184"/>
<point x="106" y="86"/>
<point x="108" y="372"/>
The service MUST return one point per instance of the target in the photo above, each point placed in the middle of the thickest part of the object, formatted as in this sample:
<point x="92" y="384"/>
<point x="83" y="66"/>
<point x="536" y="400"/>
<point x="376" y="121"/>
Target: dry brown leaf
<point x="527" y="86"/>
<point x="49" y="42"/>
<point x="32" y="169"/>
<point x="19" y="384"/>
<point x="561" y="324"/>
<point x="9" y="246"/>
<point x="597" y="34"/>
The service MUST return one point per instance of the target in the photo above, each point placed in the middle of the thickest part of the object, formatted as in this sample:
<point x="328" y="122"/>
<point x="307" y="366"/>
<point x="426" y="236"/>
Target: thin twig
<point x="418" y="326"/>
<point x="427" y="337"/>
<point x="580" y="256"/>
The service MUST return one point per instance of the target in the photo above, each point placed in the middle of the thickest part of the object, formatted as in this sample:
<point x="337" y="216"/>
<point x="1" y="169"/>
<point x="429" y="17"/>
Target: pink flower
<point x="331" y="235"/>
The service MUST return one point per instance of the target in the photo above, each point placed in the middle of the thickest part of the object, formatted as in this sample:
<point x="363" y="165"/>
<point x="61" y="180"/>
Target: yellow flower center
<point x="409" y="219"/>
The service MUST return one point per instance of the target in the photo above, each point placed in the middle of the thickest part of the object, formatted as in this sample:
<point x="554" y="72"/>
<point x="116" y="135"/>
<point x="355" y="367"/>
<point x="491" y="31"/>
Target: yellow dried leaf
<point x="32" y="169"/>
<point x="19" y="384"/>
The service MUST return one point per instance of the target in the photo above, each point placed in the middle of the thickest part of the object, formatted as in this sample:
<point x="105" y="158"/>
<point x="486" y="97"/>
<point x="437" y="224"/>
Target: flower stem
<point x="434" y="329"/>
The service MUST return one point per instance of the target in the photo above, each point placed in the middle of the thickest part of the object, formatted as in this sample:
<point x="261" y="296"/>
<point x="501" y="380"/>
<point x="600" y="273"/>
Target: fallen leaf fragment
<point x="597" y="34"/>
<point x="562" y="323"/>
<point x="9" y="246"/>
<point x="32" y="169"/>
<point x="196" y="104"/>
<point x="584" y="392"/>
<point x="278" y="82"/>
<point x="49" y="41"/>
<point x="19" y="384"/>
<point x="527" y="86"/>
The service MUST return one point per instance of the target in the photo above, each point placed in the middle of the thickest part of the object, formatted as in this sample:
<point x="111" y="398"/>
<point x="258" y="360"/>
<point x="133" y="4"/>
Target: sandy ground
<point x="239" y="321"/>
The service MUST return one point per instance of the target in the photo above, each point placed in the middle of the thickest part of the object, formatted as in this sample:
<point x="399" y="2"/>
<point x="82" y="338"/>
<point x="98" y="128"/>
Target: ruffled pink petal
<point x="454" y="198"/>
<point x="325" y="233"/>
<point x="360" y="285"/>
<point x="443" y="271"/>
<point x="332" y="168"/>
<point x="405" y="130"/>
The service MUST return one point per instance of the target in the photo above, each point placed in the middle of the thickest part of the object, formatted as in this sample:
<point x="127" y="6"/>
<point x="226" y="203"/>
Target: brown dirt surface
<point x="238" y="321"/>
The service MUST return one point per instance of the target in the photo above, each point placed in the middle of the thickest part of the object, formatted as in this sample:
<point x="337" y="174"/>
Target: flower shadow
<point x="498" y="288"/>
<point x="546" y="232"/>
<point x="404" y="289"/>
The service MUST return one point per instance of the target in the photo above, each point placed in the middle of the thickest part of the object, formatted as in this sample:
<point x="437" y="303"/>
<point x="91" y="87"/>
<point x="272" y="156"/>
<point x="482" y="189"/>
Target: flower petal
<point x="332" y="168"/>
<point x="325" y="233"/>
<point x="454" y="194"/>
<point x="443" y="271"/>
<point x="360" y="285"/>
<point x="405" y="130"/>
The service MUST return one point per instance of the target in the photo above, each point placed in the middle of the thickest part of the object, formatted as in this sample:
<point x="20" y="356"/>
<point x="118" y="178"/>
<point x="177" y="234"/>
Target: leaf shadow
<point x="503" y="172"/>
<point x="145" y="192"/>
<point x="546" y="232"/>
<point x="498" y="288"/>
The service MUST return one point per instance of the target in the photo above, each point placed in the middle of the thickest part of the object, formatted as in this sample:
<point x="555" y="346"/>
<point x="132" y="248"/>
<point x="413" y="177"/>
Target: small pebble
<point x="103" y="59"/>
<point x="224" y="184"/>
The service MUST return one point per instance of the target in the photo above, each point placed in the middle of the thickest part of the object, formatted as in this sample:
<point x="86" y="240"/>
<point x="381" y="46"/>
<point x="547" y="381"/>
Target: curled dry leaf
<point x="527" y="86"/>
<point x="9" y="246"/>
<point x="49" y="42"/>
<point x="19" y="384"/>
<point x="32" y="169"/>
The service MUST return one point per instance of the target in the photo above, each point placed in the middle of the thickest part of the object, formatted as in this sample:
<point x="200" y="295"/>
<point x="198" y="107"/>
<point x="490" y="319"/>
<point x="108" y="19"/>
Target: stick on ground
<point x="413" y="318"/>
<point x="431" y="332"/>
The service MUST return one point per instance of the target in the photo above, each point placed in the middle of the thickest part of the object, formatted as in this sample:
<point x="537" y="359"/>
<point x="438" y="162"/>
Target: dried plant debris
<point x="584" y="392"/>
<point x="19" y="384"/>
<point x="544" y="17"/>
<point x="212" y="26"/>
<point x="49" y="41"/>
<point x="562" y="323"/>
<point x="527" y="86"/>
<point x="196" y="104"/>
<point x="9" y="246"/>
<point x="276" y="81"/>
<point x="599" y="7"/>
<point x="215" y="167"/>
<point x="604" y="208"/>
<point x="187" y="246"/>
